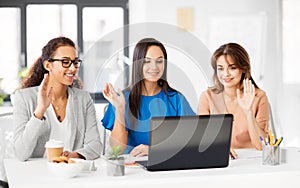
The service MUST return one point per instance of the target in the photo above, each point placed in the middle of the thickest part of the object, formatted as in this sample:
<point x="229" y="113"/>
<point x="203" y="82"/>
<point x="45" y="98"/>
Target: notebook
<point x="189" y="142"/>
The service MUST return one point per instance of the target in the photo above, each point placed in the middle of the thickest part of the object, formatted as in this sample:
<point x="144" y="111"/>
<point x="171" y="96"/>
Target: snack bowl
<point x="66" y="170"/>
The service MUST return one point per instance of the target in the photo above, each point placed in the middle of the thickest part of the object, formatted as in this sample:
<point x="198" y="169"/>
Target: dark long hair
<point x="137" y="83"/>
<point x="37" y="70"/>
<point x="241" y="59"/>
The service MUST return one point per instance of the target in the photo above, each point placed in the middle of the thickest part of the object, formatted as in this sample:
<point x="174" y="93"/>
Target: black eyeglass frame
<point x="76" y="62"/>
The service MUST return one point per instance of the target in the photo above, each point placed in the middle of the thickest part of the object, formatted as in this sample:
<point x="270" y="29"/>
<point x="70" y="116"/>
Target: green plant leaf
<point x="23" y="72"/>
<point x="115" y="152"/>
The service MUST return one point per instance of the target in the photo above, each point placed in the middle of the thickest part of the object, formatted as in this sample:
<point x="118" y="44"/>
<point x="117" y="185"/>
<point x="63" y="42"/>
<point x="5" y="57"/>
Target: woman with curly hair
<point x="50" y="105"/>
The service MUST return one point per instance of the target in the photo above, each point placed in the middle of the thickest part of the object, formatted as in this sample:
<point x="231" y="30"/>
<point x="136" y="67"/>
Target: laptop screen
<point x="189" y="142"/>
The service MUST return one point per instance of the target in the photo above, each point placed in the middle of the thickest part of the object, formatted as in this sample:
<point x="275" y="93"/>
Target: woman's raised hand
<point x="117" y="99"/>
<point x="246" y="100"/>
<point x="44" y="97"/>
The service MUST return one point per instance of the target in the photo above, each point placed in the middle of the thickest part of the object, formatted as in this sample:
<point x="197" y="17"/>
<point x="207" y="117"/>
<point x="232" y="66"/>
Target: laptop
<point x="189" y="142"/>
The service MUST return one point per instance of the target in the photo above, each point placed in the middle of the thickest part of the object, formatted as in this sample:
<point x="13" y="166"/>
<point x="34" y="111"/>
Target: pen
<point x="262" y="140"/>
<point x="278" y="141"/>
<point x="267" y="141"/>
<point x="271" y="137"/>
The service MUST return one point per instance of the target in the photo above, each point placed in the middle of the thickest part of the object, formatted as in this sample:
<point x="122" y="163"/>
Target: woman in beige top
<point x="235" y="92"/>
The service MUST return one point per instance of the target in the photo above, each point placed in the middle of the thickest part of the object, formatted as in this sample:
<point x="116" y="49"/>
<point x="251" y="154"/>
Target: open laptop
<point x="189" y="142"/>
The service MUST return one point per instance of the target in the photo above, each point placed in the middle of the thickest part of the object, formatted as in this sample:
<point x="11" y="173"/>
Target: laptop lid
<point x="189" y="142"/>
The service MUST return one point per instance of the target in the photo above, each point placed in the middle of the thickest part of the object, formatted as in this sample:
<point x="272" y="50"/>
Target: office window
<point x="291" y="41"/>
<point x="103" y="61"/>
<point x="28" y="26"/>
<point x="45" y="22"/>
<point x="10" y="48"/>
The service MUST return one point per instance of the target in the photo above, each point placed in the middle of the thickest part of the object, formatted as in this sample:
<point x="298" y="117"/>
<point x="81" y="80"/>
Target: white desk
<point x="247" y="171"/>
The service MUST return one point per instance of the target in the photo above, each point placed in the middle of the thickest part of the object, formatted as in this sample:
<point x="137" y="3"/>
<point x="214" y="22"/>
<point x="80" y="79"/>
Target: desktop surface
<point x="246" y="171"/>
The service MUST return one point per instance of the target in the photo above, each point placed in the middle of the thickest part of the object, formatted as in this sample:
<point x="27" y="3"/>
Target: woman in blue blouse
<point x="149" y="94"/>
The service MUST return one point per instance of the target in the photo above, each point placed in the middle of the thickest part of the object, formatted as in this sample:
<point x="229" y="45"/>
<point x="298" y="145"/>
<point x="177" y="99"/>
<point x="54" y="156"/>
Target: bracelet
<point x="43" y="118"/>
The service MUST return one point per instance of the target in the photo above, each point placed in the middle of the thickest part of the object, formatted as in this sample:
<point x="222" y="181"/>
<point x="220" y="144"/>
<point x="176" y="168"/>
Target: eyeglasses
<point x="66" y="63"/>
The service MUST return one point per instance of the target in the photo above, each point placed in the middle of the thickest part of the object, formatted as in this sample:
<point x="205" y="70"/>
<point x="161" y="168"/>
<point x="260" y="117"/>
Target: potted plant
<point x="115" y="162"/>
<point x="3" y="95"/>
<point x="22" y="73"/>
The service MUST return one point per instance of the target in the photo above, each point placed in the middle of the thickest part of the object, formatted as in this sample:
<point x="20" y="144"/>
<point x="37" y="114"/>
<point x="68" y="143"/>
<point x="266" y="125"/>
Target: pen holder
<point x="116" y="167"/>
<point x="270" y="155"/>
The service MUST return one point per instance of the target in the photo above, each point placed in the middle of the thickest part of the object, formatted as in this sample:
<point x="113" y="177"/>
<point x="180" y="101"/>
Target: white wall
<point x="165" y="12"/>
<point x="262" y="40"/>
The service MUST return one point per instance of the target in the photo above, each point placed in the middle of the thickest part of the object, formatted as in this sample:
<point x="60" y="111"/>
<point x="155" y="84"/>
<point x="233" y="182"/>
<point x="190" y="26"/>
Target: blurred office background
<point x="268" y="29"/>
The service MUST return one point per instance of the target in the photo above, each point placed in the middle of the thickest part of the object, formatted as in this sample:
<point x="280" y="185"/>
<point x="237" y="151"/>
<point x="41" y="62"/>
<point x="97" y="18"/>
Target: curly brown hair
<point x="37" y="70"/>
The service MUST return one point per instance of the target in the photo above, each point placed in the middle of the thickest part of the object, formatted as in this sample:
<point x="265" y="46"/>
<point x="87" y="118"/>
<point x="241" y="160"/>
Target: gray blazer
<point x="31" y="134"/>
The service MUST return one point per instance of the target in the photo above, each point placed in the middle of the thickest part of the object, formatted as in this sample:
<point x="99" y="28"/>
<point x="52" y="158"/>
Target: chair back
<point x="6" y="141"/>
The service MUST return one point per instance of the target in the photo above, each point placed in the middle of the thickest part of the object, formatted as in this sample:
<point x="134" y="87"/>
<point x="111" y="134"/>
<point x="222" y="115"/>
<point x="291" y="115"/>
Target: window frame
<point x="22" y="4"/>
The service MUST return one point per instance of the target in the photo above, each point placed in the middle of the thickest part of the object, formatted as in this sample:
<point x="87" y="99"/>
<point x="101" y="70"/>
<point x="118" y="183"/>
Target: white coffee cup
<point x="54" y="148"/>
